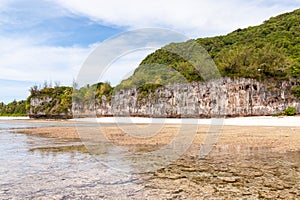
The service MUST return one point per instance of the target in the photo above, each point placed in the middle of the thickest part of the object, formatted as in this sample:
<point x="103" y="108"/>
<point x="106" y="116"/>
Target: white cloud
<point x="23" y="60"/>
<point x="122" y="53"/>
<point x="24" y="14"/>
<point x="192" y="17"/>
<point x="124" y="66"/>
<point x="4" y="4"/>
<point x="11" y="90"/>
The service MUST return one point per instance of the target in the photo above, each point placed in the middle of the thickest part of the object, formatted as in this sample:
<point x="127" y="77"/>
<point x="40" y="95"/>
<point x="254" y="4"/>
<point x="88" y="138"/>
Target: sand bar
<point x="238" y="121"/>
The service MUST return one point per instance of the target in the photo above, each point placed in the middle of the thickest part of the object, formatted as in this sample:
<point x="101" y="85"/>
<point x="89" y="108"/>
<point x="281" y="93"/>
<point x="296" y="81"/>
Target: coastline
<point x="282" y="121"/>
<point x="279" y="133"/>
<point x="291" y="121"/>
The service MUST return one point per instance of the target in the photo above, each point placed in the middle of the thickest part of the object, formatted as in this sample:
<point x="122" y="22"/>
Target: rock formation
<point x="225" y="96"/>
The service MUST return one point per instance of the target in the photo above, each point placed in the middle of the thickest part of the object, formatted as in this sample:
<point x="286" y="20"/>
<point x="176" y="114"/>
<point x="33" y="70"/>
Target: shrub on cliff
<point x="90" y="93"/>
<point x="296" y="91"/>
<point x="52" y="100"/>
<point x="290" y="111"/>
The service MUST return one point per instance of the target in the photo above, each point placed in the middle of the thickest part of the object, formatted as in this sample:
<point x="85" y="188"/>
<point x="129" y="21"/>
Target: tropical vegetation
<point x="15" y="108"/>
<point x="268" y="51"/>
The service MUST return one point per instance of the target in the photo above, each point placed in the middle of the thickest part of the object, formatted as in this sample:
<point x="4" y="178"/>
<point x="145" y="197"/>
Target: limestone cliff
<point x="225" y="96"/>
<point x="51" y="103"/>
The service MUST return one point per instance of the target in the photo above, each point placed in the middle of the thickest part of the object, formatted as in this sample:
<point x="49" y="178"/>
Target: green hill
<point x="268" y="51"/>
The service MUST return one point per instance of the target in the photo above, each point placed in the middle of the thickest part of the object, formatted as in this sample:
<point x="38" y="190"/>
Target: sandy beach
<point x="276" y="138"/>
<point x="237" y="121"/>
<point x="278" y="133"/>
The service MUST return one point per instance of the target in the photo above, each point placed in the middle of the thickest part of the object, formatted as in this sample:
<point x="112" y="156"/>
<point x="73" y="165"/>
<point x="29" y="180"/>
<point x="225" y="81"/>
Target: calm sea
<point x="48" y="168"/>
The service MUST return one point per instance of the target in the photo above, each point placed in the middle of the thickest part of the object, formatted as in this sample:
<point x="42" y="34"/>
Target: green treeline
<point x="15" y="108"/>
<point x="57" y="101"/>
<point x="93" y="93"/>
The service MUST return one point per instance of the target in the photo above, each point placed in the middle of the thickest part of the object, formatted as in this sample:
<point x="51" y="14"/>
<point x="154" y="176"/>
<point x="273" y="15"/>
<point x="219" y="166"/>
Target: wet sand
<point x="277" y="139"/>
<point x="247" y="162"/>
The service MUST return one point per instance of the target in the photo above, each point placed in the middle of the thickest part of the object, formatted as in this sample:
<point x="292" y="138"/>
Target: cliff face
<point x="47" y="108"/>
<point x="239" y="97"/>
<point x="53" y="103"/>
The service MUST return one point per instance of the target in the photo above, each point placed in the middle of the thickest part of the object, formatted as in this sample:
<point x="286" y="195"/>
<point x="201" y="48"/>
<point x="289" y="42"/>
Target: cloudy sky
<point x="50" y="39"/>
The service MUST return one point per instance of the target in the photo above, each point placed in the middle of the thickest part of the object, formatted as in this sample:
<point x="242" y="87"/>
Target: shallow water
<point x="35" y="167"/>
<point x="48" y="168"/>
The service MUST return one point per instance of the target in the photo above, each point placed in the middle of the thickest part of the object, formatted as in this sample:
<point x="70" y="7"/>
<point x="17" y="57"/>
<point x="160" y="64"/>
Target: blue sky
<point x="50" y="39"/>
<point x="51" y="25"/>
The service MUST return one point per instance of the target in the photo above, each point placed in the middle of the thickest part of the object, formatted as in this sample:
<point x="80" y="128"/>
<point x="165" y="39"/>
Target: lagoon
<point x="248" y="162"/>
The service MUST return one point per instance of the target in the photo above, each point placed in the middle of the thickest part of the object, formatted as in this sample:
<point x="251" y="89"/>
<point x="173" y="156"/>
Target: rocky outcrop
<point x="43" y="107"/>
<point x="225" y="96"/>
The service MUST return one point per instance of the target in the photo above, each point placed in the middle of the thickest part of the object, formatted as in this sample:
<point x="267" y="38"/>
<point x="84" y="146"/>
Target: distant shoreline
<point x="13" y="117"/>
<point x="283" y="121"/>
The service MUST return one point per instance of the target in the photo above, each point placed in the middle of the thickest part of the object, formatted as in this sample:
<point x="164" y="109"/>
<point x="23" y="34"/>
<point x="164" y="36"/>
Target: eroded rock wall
<point x="239" y="97"/>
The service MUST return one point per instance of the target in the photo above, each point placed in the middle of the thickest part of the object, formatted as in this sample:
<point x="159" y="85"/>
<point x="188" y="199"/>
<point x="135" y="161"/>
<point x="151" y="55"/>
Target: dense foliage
<point x="56" y="100"/>
<point x="267" y="51"/>
<point x="296" y="91"/>
<point x="15" y="108"/>
<point x="290" y="111"/>
<point x="93" y="93"/>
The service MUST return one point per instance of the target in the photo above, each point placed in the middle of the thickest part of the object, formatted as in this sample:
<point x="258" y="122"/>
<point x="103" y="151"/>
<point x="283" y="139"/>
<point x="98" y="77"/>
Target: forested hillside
<point x="268" y="51"/>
